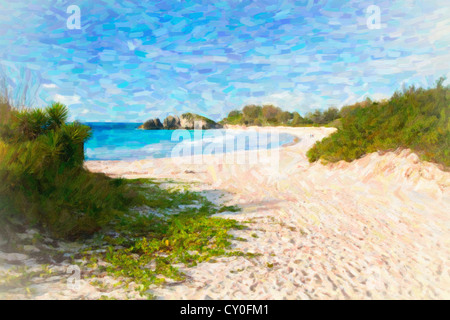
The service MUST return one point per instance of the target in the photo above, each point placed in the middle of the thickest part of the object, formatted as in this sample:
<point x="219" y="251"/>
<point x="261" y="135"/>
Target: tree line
<point x="270" y="115"/>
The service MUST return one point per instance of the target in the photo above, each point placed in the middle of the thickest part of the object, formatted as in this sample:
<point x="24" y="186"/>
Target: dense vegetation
<point x="270" y="115"/>
<point x="415" y="118"/>
<point x="43" y="179"/>
<point x="196" y="117"/>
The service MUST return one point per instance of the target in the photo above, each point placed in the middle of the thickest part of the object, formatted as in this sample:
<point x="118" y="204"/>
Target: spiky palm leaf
<point x="31" y="123"/>
<point x="58" y="114"/>
<point x="76" y="132"/>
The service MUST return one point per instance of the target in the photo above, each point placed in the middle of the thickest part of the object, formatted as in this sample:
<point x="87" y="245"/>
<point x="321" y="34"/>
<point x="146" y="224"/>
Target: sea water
<point x="124" y="141"/>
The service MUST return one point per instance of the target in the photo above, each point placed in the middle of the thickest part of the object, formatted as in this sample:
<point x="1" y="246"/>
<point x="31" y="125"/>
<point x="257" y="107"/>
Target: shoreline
<point x="374" y="228"/>
<point x="145" y="167"/>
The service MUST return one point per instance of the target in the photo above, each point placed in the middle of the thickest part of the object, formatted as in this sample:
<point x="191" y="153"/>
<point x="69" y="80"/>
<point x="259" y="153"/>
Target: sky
<point x="135" y="60"/>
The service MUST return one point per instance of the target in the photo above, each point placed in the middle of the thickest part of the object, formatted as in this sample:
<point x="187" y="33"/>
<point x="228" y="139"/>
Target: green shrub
<point x="43" y="179"/>
<point x="414" y="118"/>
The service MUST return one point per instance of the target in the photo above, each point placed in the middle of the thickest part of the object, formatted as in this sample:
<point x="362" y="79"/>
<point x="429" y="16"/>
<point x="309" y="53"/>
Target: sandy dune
<point x="374" y="228"/>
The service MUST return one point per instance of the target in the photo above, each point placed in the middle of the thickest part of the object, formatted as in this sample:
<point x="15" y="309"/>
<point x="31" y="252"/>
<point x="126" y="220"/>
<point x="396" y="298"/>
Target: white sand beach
<point x="374" y="228"/>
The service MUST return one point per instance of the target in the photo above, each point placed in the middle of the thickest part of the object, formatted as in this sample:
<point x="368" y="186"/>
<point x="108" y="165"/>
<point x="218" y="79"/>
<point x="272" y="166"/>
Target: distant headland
<point x="185" y="121"/>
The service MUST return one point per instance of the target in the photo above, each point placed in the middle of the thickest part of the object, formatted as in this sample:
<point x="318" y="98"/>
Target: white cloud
<point x="134" y="44"/>
<point x="49" y="86"/>
<point x="67" y="100"/>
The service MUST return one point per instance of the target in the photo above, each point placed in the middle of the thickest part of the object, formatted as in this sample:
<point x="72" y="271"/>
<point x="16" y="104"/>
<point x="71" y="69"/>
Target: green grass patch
<point x="174" y="227"/>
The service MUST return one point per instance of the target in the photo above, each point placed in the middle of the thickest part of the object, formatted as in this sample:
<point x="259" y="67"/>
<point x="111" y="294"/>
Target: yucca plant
<point x="57" y="114"/>
<point x="43" y="179"/>
<point x="74" y="135"/>
<point x="29" y="124"/>
<point x="76" y="132"/>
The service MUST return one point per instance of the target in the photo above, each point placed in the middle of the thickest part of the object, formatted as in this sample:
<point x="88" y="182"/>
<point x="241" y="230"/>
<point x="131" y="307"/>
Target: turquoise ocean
<point x="124" y="141"/>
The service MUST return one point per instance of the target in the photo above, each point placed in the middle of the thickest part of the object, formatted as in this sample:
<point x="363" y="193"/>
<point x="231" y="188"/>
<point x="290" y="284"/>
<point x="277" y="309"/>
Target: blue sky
<point x="131" y="61"/>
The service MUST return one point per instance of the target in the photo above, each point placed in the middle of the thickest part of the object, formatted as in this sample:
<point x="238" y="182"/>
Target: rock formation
<point x="186" y="121"/>
<point x="152" y="124"/>
<point x="172" y="123"/>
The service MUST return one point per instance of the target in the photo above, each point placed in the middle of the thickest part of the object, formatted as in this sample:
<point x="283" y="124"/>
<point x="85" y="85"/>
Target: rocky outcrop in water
<point x="186" y="121"/>
<point x="152" y="124"/>
<point x="172" y="123"/>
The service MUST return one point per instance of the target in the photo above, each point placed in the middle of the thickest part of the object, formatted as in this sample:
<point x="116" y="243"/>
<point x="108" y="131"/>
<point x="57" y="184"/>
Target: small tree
<point x="251" y="112"/>
<point x="270" y="112"/>
<point x="330" y="114"/>
<point x="297" y="119"/>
